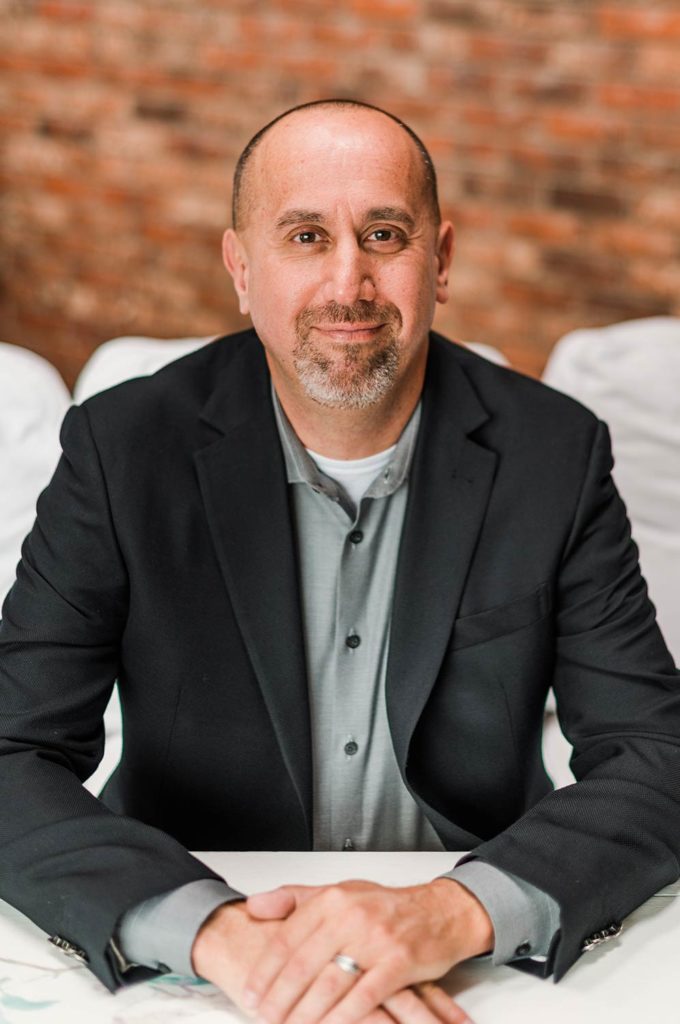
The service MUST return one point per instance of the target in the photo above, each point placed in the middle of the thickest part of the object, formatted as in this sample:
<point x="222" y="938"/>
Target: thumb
<point x="279" y="903"/>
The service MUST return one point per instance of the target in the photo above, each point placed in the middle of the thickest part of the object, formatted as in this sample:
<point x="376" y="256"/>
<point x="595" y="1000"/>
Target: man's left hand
<point x="399" y="937"/>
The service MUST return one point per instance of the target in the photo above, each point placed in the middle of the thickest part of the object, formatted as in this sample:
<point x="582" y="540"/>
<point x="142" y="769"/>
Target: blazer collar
<point x="450" y="484"/>
<point x="243" y="484"/>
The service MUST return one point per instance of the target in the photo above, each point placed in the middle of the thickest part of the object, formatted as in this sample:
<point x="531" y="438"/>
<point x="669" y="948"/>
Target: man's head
<point x="241" y="199"/>
<point x="339" y="253"/>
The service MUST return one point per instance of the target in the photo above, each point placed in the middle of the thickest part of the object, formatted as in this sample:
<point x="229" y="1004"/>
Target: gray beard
<point x="364" y="374"/>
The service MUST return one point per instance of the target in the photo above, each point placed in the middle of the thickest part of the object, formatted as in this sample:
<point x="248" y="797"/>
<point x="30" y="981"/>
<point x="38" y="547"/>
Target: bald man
<point x="335" y="563"/>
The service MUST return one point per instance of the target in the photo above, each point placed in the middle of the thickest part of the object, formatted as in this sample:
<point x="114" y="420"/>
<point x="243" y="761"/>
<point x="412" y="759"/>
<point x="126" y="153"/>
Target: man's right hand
<point x="226" y="945"/>
<point x="230" y="941"/>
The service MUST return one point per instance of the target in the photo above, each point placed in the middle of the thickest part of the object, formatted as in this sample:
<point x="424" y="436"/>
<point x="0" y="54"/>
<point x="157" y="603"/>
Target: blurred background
<point x="555" y="128"/>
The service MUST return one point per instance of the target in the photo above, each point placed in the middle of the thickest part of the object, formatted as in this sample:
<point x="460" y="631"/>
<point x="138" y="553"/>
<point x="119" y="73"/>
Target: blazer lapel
<point x="449" y="488"/>
<point x="245" y="493"/>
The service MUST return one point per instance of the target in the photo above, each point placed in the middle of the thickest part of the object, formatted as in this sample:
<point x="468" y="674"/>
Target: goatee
<point x="344" y="375"/>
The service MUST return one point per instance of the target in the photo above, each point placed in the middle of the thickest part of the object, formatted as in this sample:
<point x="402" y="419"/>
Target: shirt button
<point x="351" y="748"/>
<point x="523" y="949"/>
<point x="353" y="640"/>
<point x="356" y="536"/>
<point x="348" y="845"/>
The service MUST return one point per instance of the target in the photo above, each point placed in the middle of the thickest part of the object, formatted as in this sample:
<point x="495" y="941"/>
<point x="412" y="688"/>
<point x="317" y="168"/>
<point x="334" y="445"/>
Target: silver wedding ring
<point x="346" y="964"/>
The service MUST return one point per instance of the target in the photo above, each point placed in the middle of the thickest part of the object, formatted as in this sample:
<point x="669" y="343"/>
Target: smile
<point x="349" y="332"/>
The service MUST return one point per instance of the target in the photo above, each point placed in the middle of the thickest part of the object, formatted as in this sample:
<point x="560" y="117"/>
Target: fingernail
<point x="249" y="999"/>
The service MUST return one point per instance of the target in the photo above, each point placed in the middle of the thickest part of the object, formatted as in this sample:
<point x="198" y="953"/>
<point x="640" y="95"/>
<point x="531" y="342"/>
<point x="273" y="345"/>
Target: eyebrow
<point x="299" y="217"/>
<point x="394" y="213"/>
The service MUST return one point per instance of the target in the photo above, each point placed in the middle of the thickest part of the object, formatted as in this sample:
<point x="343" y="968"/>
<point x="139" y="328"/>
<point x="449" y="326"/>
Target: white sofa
<point x="33" y="401"/>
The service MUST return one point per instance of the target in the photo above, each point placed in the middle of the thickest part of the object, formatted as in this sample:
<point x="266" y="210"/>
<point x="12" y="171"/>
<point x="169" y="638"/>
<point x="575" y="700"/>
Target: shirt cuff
<point x="160" y="932"/>
<point x="524" y="918"/>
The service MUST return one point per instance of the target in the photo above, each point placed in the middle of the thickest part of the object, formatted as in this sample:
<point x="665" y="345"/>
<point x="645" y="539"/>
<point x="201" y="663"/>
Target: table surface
<point x="628" y="979"/>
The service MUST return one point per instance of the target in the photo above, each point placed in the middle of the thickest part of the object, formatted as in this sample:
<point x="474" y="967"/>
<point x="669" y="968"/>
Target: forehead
<point x="321" y="158"/>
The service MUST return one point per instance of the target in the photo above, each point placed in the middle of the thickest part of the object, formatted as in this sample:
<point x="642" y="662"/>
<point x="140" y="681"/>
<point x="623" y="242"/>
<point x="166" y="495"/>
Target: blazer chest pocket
<point x="501" y="620"/>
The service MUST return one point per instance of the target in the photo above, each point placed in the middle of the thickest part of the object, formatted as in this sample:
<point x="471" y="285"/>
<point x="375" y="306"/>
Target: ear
<point x="445" y="247"/>
<point x="236" y="261"/>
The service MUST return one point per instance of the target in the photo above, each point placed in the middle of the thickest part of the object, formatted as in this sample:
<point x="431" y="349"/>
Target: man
<point x="335" y="566"/>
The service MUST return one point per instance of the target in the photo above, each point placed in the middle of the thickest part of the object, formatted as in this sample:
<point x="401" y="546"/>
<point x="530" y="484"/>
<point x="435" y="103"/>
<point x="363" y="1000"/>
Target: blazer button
<point x="353" y="641"/>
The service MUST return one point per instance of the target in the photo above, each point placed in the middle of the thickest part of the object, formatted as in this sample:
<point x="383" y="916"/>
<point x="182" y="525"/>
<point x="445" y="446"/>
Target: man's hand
<point x="227" y="944"/>
<point x="401" y="938"/>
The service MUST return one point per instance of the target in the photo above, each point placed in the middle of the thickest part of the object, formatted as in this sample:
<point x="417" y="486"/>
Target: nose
<point x="349" y="274"/>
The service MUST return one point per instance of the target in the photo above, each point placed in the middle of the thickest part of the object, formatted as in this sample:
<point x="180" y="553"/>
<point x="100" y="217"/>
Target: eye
<point x="386" y="239"/>
<point x="306" y="237"/>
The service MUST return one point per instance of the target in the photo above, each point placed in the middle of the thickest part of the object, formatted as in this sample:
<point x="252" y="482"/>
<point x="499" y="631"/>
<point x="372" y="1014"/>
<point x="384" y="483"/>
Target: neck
<point x="348" y="433"/>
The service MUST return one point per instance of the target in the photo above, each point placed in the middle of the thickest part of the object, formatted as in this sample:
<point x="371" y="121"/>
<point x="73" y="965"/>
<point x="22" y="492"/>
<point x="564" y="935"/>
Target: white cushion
<point x="123" y="358"/>
<point x="488" y="351"/>
<point x="33" y="402"/>
<point x="629" y="375"/>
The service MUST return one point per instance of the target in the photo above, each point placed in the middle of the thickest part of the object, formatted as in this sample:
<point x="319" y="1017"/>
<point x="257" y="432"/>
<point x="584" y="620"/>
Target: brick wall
<point x="555" y="127"/>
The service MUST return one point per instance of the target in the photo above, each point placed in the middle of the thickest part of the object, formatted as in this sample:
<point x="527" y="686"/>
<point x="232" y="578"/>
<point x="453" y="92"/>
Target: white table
<point x="628" y="980"/>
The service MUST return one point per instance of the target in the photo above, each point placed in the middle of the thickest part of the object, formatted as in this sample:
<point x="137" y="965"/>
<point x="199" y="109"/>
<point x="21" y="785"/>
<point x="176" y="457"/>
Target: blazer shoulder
<point x="517" y="401"/>
<point x="177" y="390"/>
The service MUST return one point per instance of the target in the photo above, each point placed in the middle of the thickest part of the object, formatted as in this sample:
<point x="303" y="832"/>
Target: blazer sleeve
<point x="68" y="862"/>
<point x="603" y="846"/>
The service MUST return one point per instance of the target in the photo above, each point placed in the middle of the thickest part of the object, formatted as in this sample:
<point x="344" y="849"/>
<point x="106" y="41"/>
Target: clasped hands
<point x="274" y="954"/>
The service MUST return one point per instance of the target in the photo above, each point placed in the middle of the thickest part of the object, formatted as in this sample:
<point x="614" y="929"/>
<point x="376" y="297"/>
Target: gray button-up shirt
<point x="347" y="558"/>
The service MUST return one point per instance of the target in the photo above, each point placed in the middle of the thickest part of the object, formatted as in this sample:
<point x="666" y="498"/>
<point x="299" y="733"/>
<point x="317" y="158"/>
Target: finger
<point x="374" y="988"/>
<point x="270" y="906"/>
<point x="293" y="934"/>
<point x="448" y="1011"/>
<point x="310" y="976"/>
<point x="379" y="1016"/>
<point x="407" y="1007"/>
<point x="322" y="993"/>
<point x="266" y="905"/>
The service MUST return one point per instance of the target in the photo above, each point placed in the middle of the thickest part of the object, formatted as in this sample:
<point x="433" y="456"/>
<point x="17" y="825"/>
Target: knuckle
<point x="328" y="985"/>
<point x="368" y="997"/>
<point x="296" y="968"/>
<point x="279" y="949"/>
<point x="335" y="897"/>
<point x="402" y="956"/>
<point x="359" y="919"/>
<point x="382" y="933"/>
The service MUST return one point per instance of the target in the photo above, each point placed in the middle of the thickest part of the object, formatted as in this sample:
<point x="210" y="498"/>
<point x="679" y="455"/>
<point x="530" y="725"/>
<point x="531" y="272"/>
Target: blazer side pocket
<point x="501" y="620"/>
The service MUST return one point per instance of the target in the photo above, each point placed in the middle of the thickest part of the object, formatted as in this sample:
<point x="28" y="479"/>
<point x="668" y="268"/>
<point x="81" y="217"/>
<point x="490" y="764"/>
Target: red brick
<point x="630" y="239"/>
<point x="579" y="127"/>
<point x="639" y="22"/>
<point x="639" y="99"/>
<point x="545" y="226"/>
<point x="401" y="10"/>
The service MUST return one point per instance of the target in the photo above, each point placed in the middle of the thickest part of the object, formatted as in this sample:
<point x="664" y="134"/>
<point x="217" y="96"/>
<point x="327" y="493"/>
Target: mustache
<point x="362" y="311"/>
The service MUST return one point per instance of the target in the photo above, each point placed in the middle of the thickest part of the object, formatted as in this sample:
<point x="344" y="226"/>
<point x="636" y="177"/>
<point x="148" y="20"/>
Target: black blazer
<point x="164" y="556"/>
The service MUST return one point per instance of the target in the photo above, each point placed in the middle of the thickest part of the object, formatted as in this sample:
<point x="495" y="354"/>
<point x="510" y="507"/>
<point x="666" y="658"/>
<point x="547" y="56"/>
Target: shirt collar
<point x="301" y="468"/>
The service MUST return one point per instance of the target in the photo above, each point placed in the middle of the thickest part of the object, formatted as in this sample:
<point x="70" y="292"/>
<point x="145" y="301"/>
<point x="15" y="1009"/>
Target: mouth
<point x="353" y="332"/>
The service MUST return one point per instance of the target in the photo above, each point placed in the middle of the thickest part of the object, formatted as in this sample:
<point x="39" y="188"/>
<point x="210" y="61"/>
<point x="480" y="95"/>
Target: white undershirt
<point x="355" y="475"/>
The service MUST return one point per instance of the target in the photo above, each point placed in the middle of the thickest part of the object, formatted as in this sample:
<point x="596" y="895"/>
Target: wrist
<point x="471" y="927"/>
<point x="218" y="934"/>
